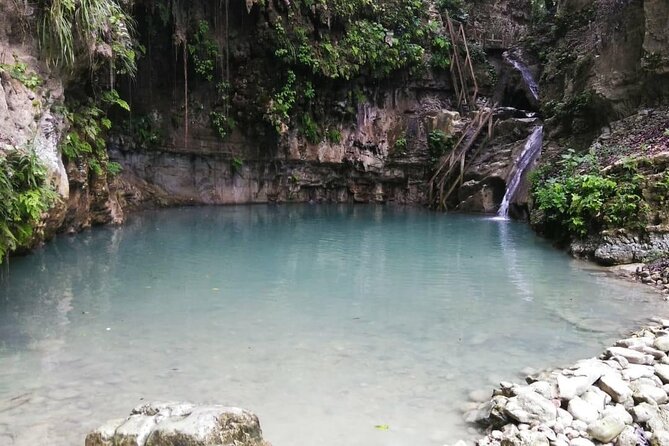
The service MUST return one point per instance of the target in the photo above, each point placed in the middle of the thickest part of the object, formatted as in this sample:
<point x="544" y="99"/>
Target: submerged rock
<point x="171" y="424"/>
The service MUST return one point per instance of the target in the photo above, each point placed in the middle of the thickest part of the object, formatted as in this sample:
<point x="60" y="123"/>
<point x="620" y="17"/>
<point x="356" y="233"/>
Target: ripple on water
<point x="325" y="320"/>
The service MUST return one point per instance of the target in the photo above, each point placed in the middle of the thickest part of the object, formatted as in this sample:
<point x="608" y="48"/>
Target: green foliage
<point x="280" y="105"/>
<point x="333" y="135"/>
<point x="204" y="51"/>
<point x="222" y="124"/>
<point x="19" y="71"/>
<point x="310" y="129"/>
<point x="578" y="200"/>
<point x="145" y="132"/>
<point x="86" y="139"/>
<point x="439" y="143"/>
<point x="26" y="195"/>
<point x="400" y="146"/>
<point x="236" y="165"/>
<point x="87" y="32"/>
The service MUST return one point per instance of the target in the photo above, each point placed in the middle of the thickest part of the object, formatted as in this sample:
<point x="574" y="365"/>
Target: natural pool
<point x="324" y="320"/>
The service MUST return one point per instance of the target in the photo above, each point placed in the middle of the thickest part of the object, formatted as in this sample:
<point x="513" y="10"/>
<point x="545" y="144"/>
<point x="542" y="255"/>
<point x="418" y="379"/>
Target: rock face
<point x="617" y="398"/>
<point x="30" y="118"/>
<point x="182" y="424"/>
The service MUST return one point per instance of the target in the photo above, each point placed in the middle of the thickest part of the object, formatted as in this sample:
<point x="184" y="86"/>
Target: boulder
<point x="529" y="406"/>
<point x="163" y="424"/>
<point x="649" y="394"/>
<point x="662" y="343"/>
<point x="662" y="372"/>
<point x="633" y="356"/>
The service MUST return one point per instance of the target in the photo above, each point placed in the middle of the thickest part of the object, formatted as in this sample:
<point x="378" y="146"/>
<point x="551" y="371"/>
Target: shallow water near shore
<point x="337" y="325"/>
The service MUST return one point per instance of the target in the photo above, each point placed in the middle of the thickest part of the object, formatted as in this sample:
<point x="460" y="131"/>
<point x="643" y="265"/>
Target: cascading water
<point x="533" y="144"/>
<point x="525" y="72"/>
<point x="527" y="157"/>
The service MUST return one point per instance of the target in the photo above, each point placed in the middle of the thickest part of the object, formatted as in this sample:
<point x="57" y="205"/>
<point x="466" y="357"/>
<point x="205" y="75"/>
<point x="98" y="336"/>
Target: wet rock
<point x="161" y="424"/>
<point x="529" y="406"/>
<point x="606" y="429"/>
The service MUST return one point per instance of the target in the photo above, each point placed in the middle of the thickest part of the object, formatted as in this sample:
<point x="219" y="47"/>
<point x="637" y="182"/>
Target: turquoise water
<point x="325" y="320"/>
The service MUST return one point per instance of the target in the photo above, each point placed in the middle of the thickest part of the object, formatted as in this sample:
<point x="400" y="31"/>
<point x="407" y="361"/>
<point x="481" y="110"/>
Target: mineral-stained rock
<point x="606" y="429"/>
<point x="172" y="424"/>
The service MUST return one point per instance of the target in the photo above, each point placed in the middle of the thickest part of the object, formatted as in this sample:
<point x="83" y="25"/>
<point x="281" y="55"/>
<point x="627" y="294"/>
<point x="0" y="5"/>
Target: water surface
<point x="324" y="320"/>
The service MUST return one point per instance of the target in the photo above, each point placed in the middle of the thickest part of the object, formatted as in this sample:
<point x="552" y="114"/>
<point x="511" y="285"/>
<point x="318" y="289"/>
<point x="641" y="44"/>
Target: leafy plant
<point x="26" y="194"/>
<point x="204" y="51"/>
<point x="87" y="32"/>
<point x="19" y="71"/>
<point x="310" y="129"/>
<point x="438" y="144"/>
<point x="222" y="124"/>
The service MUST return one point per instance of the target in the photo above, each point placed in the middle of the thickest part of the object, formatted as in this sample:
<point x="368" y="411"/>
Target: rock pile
<point x="183" y="424"/>
<point x="655" y="274"/>
<point x="620" y="397"/>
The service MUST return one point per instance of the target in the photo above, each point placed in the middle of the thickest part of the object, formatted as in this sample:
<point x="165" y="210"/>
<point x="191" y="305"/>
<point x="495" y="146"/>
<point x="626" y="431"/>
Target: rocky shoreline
<point x="620" y="397"/>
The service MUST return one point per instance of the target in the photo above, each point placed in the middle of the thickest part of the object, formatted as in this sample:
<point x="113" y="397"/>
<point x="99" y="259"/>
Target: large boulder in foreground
<point x="181" y="424"/>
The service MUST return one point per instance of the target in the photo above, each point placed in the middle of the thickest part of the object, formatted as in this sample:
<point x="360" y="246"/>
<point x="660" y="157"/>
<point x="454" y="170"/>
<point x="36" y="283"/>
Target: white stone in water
<point x="662" y="371"/>
<point x="529" y="406"/>
<point x="480" y="396"/>
<point x="581" y="410"/>
<point x="135" y="430"/>
<point x="613" y="385"/>
<point x="580" y="441"/>
<point x="662" y="343"/>
<point x="633" y="356"/>
<point x="606" y="429"/>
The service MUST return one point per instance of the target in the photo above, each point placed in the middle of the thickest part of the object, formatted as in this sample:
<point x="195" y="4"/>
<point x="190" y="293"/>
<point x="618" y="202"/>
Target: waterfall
<point x="525" y="73"/>
<point x="527" y="157"/>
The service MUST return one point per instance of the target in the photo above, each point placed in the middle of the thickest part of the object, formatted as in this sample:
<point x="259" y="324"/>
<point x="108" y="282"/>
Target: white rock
<point x="580" y="441"/>
<point x="662" y="343"/>
<point x="545" y="389"/>
<point x="633" y="356"/>
<point x="643" y="412"/>
<point x="648" y="393"/>
<point x="636" y="371"/>
<point x="606" y="429"/>
<point x="635" y="342"/>
<point x="662" y="371"/>
<point x="596" y="397"/>
<point x="580" y="426"/>
<point x="613" y="385"/>
<point x="135" y="430"/>
<point x="582" y="410"/>
<point x="570" y="387"/>
<point x="565" y="417"/>
<point x="660" y="438"/>
<point x="529" y="406"/>
<point x="627" y="437"/>
<point x="618" y="411"/>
